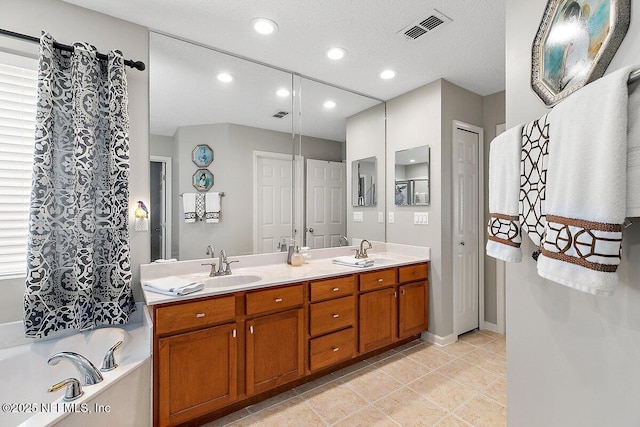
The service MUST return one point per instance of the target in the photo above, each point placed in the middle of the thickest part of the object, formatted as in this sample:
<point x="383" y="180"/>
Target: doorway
<point x="468" y="255"/>
<point x="326" y="197"/>
<point x="160" y="207"/>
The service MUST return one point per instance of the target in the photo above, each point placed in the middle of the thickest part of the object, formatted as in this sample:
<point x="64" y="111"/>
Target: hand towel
<point x="163" y="261"/>
<point x="213" y="207"/>
<point x="189" y="205"/>
<point x="633" y="152"/>
<point x="353" y="262"/>
<point x="586" y="186"/>
<point x="172" y="285"/>
<point x="200" y="206"/>
<point x="533" y="177"/>
<point x="503" y="230"/>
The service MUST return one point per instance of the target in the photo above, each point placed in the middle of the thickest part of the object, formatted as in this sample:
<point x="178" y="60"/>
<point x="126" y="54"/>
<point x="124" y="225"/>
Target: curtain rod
<point x="138" y="65"/>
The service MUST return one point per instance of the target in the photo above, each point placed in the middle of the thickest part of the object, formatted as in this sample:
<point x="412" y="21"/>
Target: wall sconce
<point x="141" y="217"/>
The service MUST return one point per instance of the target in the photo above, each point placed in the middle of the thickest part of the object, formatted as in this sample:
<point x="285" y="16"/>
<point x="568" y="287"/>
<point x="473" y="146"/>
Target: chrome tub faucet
<point x="89" y="375"/>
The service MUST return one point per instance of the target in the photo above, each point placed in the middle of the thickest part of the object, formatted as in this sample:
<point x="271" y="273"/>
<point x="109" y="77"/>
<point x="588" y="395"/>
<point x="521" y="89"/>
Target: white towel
<point x="172" y="285"/>
<point x="189" y="205"/>
<point x="163" y="261"/>
<point x="353" y="262"/>
<point x="633" y="152"/>
<point x="212" y="214"/>
<point x="586" y="186"/>
<point x="503" y="230"/>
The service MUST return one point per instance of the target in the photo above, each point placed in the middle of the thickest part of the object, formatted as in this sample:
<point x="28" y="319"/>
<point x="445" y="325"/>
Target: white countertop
<point x="272" y="270"/>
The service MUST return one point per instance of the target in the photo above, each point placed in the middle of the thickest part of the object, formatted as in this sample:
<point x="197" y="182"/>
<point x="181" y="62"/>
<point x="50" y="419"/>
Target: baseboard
<point x="488" y="326"/>
<point x="438" y="340"/>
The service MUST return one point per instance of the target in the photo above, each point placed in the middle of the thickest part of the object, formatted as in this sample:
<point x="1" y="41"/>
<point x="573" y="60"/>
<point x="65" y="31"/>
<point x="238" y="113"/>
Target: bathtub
<point x="123" y="398"/>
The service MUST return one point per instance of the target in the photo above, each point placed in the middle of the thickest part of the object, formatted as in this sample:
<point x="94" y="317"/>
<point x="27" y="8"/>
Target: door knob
<point x="461" y="243"/>
<point x="311" y="230"/>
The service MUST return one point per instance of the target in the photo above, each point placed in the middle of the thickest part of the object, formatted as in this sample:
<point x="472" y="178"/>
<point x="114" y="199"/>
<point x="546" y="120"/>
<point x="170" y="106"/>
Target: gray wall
<point x="493" y="113"/>
<point x="366" y="138"/>
<point x="232" y="168"/>
<point x="572" y="358"/>
<point x="67" y="24"/>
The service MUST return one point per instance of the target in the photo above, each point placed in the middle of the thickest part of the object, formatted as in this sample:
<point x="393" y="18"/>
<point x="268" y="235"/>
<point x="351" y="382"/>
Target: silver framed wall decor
<point x="575" y="43"/>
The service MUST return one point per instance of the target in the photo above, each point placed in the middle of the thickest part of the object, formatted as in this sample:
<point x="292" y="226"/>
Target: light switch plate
<point x="421" y="218"/>
<point x="381" y="217"/>
<point x="392" y="217"/>
<point x="358" y="216"/>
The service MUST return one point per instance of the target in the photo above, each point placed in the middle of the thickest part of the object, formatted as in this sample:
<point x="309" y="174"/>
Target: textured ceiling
<point x="469" y="51"/>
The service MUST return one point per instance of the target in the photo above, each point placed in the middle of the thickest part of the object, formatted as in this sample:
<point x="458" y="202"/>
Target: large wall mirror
<point x="364" y="176"/>
<point x="279" y="151"/>
<point x="412" y="176"/>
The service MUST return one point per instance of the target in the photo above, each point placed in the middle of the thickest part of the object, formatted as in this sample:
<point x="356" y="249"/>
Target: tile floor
<point x="418" y="384"/>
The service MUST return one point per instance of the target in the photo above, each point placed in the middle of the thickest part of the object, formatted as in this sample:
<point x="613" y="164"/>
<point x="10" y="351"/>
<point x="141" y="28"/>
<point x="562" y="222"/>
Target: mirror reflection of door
<point x="326" y="213"/>
<point x="159" y="198"/>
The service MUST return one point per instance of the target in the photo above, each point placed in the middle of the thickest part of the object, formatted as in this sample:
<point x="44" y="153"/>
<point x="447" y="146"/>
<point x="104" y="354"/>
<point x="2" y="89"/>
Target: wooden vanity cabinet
<point x="378" y="306"/>
<point x="412" y="300"/>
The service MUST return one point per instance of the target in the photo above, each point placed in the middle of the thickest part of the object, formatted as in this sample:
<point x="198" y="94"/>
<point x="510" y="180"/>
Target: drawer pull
<point x="278" y="300"/>
<point x="380" y="280"/>
<point x="404" y="292"/>
<point x="335" y="289"/>
<point x="251" y="328"/>
<point x="395" y="294"/>
<point x="233" y="333"/>
<point x="199" y="315"/>
<point x="336" y="315"/>
<point x="335" y="349"/>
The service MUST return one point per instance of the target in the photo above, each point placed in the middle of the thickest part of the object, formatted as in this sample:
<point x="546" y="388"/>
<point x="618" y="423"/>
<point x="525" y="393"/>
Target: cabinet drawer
<point x="333" y="288"/>
<point x="274" y="299"/>
<point x="332" y="348"/>
<point x="332" y="315"/>
<point x="411" y="273"/>
<point x="194" y="314"/>
<point x="377" y="279"/>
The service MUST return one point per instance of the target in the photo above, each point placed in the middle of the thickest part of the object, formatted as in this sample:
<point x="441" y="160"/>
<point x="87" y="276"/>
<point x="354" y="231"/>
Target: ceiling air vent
<point x="280" y="114"/>
<point x="423" y="26"/>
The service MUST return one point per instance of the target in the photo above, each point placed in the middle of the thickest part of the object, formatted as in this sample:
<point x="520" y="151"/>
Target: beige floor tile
<point x="497" y="391"/>
<point x="491" y="333"/>
<point x="467" y="374"/>
<point x="429" y="356"/>
<point x="475" y="338"/>
<point x="409" y="345"/>
<point x="483" y="412"/>
<point x="458" y="348"/>
<point x="408" y="408"/>
<point x="402" y="368"/>
<point x="228" y="419"/>
<point x="301" y="389"/>
<point x="452" y="421"/>
<point x="334" y="402"/>
<point x="443" y="390"/>
<point x="487" y="360"/>
<point x="249" y="421"/>
<point x="498" y="346"/>
<point x="291" y="413"/>
<point x="350" y="369"/>
<point x="381" y="356"/>
<point x="271" y="401"/>
<point x="371" y="383"/>
<point x="367" y="417"/>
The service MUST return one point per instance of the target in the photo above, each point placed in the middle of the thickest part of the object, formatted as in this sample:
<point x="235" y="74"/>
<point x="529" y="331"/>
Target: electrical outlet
<point x="392" y="218"/>
<point x="381" y="217"/>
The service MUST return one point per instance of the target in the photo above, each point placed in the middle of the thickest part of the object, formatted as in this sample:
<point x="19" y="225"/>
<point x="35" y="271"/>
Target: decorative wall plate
<point x="574" y="45"/>
<point x="202" y="180"/>
<point x="202" y="155"/>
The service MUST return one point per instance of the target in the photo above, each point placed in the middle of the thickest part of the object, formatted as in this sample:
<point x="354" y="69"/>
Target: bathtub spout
<point x="89" y="375"/>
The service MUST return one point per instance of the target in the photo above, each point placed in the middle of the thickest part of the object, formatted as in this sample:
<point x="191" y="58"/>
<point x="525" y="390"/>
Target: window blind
<point x="18" y="91"/>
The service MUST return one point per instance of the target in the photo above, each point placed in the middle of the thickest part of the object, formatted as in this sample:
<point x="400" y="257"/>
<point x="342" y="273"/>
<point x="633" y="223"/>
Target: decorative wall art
<point x="202" y="155"/>
<point x="202" y="180"/>
<point x="574" y="45"/>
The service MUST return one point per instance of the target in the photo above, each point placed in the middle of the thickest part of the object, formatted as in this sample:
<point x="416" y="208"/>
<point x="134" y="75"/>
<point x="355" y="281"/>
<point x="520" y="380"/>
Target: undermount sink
<point x="232" y="280"/>
<point x="382" y="260"/>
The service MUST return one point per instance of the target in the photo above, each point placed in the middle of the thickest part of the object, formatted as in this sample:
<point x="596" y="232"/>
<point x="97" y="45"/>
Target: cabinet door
<point x="378" y="319"/>
<point x="275" y="350"/>
<point x="413" y="309"/>
<point x="197" y="373"/>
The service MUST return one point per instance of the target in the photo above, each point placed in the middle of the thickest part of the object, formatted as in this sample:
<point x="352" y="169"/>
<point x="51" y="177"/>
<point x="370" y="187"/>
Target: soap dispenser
<point x="296" y="258"/>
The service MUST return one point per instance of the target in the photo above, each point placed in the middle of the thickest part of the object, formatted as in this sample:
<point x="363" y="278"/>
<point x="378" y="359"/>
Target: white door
<point x="466" y="192"/>
<point x="326" y="198"/>
<point x="272" y="200"/>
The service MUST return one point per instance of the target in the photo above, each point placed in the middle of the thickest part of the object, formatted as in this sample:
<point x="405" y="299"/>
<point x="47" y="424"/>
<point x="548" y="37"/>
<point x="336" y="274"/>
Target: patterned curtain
<point x="78" y="262"/>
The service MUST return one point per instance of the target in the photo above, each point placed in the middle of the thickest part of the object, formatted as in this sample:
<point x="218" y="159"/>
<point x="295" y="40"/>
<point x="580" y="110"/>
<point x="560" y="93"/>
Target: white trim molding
<point x="438" y="340"/>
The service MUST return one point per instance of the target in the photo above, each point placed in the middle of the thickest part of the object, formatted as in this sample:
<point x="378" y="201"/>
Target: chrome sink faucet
<point x="362" y="252"/>
<point x="224" y="267"/>
<point x="89" y="375"/>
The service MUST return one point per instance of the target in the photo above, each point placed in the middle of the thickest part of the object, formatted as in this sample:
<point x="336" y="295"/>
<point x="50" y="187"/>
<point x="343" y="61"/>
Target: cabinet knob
<point x="335" y="289"/>
<point x="335" y="349"/>
<point x="278" y="300"/>
<point x="233" y="333"/>
<point x="199" y="315"/>
<point x="404" y="292"/>
<point x="336" y="315"/>
<point x="380" y="280"/>
<point x="395" y="294"/>
<point x="251" y="329"/>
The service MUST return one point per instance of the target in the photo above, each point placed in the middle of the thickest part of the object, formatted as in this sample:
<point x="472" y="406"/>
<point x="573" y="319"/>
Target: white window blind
<point x="18" y="90"/>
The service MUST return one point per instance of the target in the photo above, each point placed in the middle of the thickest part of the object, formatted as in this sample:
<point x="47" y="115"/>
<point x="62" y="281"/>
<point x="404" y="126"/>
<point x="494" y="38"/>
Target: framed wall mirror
<point x="364" y="175"/>
<point x="411" y="186"/>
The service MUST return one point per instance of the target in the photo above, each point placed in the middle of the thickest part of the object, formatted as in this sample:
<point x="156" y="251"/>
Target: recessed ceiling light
<point x="387" y="74"/>
<point x="329" y="104"/>
<point x="264" y="26"/>
<point x="336" y="53"/>
<point x="283" y="92"/>
<point x="225" y="77"/>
